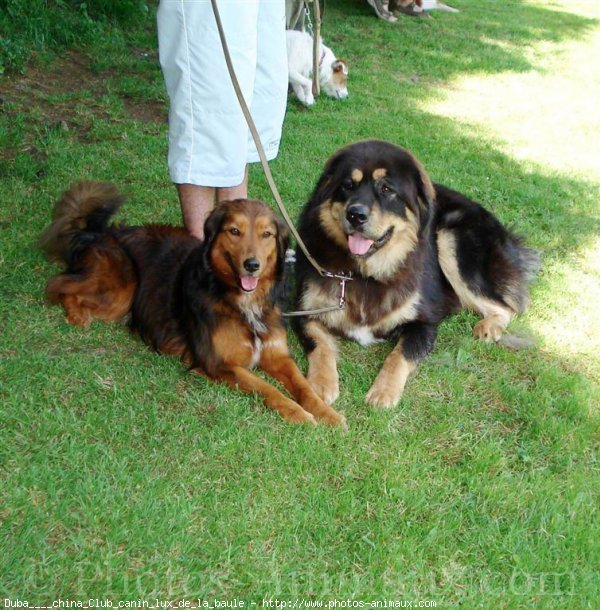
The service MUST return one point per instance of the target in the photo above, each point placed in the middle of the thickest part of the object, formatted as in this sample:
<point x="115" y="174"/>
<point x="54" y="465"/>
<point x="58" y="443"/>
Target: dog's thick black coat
<point x="418" y="252"/>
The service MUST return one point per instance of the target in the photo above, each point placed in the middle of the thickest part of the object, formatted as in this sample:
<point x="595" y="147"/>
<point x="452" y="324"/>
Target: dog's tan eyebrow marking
<point x="379" y="173"/>
<point x="357" y="175"/>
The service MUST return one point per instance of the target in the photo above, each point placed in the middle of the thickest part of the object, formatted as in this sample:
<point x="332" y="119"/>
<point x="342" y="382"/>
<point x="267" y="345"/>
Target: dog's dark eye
<point x="349" y="185"/>
<point x="234" y="231"/>
<point x="386" y="190"/>
<point x="267" y="234"/>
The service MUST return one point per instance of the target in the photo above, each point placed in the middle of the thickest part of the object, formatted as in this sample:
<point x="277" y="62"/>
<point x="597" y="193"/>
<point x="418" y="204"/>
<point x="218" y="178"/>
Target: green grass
<point x="44" y="27"/>
<point x="122" y="477"/>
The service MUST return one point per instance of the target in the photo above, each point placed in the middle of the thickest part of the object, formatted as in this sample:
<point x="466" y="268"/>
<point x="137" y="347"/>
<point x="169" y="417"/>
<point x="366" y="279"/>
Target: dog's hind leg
<point x="77" y="314"/>
<point x="492" y="280"/>
<point x="487" y="265"/>
<point x="68" y="289"/>
<point x="87" y="297"/>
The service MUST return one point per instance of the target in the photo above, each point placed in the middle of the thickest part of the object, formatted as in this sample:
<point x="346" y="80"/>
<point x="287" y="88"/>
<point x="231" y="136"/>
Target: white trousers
<point x="209" y="141"/>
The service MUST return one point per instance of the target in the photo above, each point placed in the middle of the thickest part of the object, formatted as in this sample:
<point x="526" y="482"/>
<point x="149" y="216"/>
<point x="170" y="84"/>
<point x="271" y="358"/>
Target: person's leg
<point x="207" y="132"/>
<point x="196" y="204"/>
<point x="234" y="192"/>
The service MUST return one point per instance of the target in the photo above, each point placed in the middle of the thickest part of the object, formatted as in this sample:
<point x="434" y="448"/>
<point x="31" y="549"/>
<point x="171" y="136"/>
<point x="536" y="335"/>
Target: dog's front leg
<point x="242" y="378"/>
<point x="302" y="87"/>
<point x="321" y="350"/>
<point x="276" y="361"/>
<point x="416" y="340"/>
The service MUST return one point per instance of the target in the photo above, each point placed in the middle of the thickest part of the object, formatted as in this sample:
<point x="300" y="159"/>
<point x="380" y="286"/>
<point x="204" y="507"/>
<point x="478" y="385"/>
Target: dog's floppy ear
<point x="212" y="227"/>
<point x="425" y="193"/>
<point x="213" y="224"/>
<point x="339" y="65"/>
<point x="324" y="188"/>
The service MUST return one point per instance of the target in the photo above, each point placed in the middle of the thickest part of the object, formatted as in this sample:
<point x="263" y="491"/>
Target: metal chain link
<point x="308" y="20"/>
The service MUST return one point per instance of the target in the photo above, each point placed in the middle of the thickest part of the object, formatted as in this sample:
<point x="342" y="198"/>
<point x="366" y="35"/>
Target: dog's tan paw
<point x="333" y="418"/>
<point x="299" y="416"/>
<point x="322" y="369"/>
<point x="388" y="387"/>
<point x="383" y="395"/>
<point x="327" y="389"/>
<point x="323" y="412"/>
<point x="488" y="330"/>
<point x="78" y="319"/>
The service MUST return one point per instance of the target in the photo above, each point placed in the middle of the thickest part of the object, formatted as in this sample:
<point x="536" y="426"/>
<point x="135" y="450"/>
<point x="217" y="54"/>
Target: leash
<point x="343" y="278"/>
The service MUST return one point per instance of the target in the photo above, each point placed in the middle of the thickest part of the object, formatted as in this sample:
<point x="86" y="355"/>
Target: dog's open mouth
<point x="359" y="245"/>
<point x="248" y="283"/>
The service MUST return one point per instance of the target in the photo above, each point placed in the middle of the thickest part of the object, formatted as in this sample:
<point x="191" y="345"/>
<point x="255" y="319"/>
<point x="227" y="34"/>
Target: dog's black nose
<point x="357" y="214"/>
<point x="251" y="265"/>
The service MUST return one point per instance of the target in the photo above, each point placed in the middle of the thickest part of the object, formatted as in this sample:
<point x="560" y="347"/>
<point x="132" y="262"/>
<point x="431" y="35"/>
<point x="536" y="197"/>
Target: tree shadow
<point x="486" y="36"/>
<point x="555" y="210"/>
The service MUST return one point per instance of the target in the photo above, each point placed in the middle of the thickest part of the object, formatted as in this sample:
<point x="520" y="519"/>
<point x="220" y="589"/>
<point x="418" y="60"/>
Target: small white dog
<point x="333" y="73"/>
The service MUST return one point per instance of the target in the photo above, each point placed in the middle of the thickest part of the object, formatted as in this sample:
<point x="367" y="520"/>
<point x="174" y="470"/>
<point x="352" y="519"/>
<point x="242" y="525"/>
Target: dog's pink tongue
<point x="357" y="244"/>
<point x="249" y="282"/>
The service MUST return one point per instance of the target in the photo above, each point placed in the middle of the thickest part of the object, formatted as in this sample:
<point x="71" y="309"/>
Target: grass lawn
<point x="124" y="478"/>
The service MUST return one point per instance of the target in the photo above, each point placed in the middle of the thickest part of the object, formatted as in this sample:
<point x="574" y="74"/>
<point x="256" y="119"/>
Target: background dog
<point x="333" y="73"/>
<point x="211" y="303"/>
<point x="386" y="9"/>
<point x="418" y="252"/>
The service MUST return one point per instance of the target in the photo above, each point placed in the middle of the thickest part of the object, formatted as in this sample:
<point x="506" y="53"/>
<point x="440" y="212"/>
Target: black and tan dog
<point x="418" y="252"/>
<point x="212" y="303"/>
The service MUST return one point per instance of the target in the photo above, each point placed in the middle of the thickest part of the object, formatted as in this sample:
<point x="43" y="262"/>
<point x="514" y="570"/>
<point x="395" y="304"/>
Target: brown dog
<point x="211" y="303"/>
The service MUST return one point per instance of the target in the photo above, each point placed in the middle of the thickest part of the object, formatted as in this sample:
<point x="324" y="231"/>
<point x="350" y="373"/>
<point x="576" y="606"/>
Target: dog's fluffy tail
<point x="86" y="208"/>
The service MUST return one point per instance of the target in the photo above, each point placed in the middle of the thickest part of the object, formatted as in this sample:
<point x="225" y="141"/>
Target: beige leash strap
<point x="342" y="277"/>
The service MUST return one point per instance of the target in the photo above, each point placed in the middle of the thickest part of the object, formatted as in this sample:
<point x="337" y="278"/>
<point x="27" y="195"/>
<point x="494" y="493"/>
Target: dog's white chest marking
<point x="257" y="349"/>
<point x="253" y="315"/>
<point x="363" y="335"/>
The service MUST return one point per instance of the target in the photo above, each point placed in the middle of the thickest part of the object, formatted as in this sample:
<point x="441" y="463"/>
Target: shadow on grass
<point x="554" y="210"/>
<point x="485" y="36"/>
